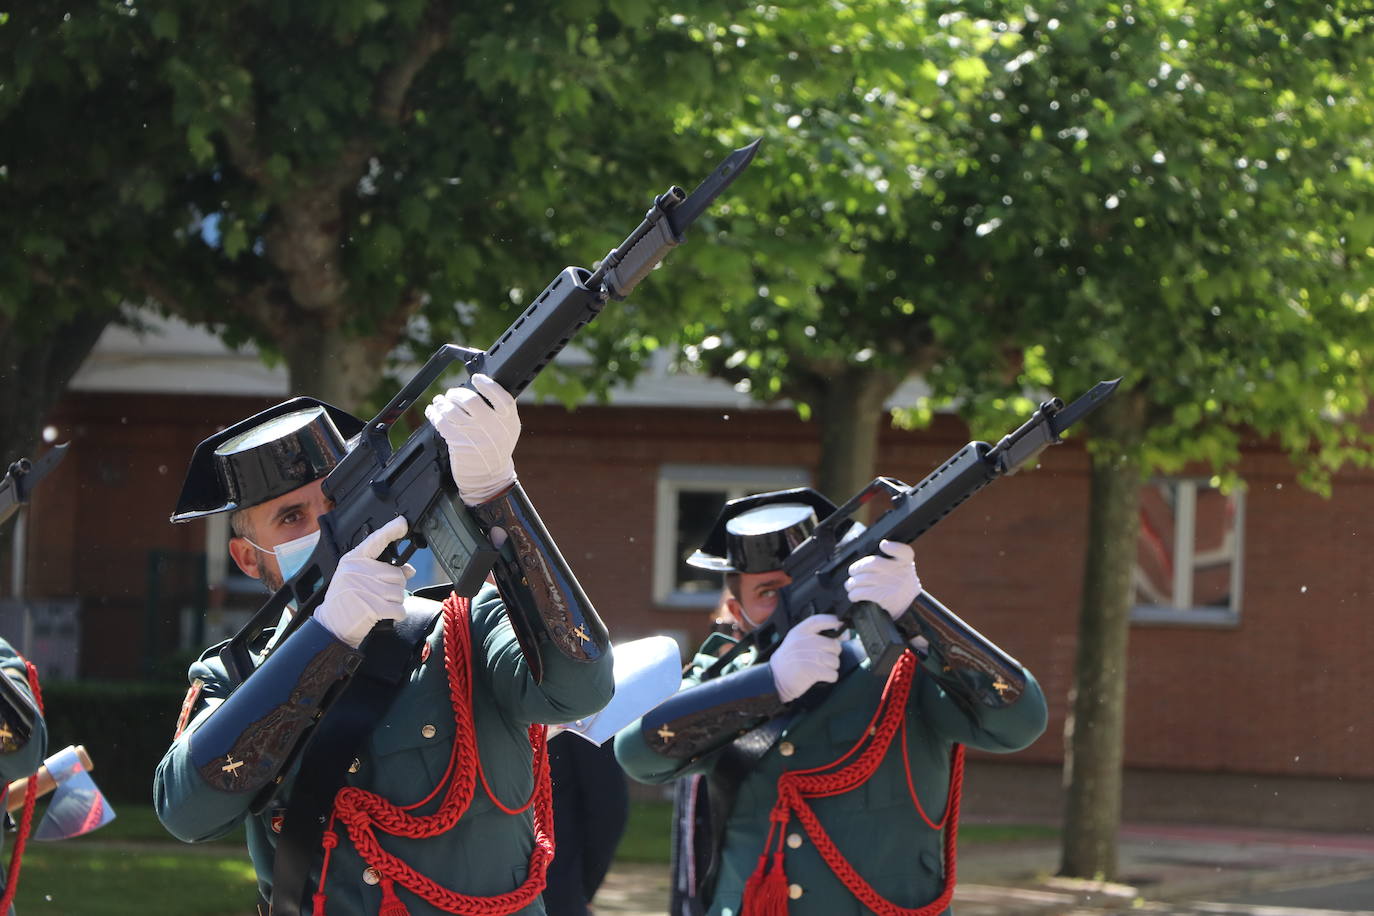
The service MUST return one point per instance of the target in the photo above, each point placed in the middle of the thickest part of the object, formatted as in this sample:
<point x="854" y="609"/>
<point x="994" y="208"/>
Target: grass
<point x="131" y="866"/>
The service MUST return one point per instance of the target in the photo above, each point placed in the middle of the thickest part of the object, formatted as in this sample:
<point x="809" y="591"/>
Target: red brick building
<point x="1257" y="674"/>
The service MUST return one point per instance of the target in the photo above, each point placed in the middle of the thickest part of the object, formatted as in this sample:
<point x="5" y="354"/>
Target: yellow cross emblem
<point x="665" y="732"/>
<point x="1001" y="686"/>
<point x="581" y="633"/>
<point x="5" y="731"/>
<point x="231" y="765"/>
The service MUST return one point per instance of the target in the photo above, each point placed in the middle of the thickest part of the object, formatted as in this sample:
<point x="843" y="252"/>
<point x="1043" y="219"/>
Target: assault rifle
<point x="23" y="475"/>
<point x="374" y="483"/>
<point x="819" y="565"/>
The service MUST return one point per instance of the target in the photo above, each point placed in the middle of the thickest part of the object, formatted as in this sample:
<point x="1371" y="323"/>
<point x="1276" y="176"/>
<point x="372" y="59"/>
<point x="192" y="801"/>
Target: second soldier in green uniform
<point x="808" y="785"/>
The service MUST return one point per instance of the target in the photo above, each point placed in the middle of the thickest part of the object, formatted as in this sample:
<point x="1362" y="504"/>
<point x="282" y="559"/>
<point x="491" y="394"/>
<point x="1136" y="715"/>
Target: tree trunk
<point x="1093" y="734"/>
<point x="850" y="411"/>
<point x="337" y="368"/>
<point x="34" y="372"/>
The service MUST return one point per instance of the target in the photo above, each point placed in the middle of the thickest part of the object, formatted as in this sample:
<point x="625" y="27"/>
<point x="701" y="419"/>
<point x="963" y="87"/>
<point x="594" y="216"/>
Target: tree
<point x="1179" y="194"/>
<point x="66" y="198"/>
<point x="1016" y="200"/>
<point x="823" y="290"/>
<point x="330" y="181"/>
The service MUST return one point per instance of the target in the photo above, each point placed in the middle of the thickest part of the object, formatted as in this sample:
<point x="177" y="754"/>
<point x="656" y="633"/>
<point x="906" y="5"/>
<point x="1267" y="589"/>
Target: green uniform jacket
<point x="875" y="827"/>
<point x="488" y="851"/>
<point x="26" y="760"/>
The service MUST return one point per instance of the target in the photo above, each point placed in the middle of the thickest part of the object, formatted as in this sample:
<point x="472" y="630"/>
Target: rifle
<point x="819" y="565"/>
<point x="374" y="483"/>
<point x="23" y="475"/>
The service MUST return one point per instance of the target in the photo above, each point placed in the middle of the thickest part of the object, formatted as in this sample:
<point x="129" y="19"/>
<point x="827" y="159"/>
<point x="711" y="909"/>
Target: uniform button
<point x="429" y="731"/>
<point x="794" y="891"/>
<point x="372" y="876"/>
<point x="355" y="765"/>
<point x="787" y="749"/>
<point x="794" y="840"/>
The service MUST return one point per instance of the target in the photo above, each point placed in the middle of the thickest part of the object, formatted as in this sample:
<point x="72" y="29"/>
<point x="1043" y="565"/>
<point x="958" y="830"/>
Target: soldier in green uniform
<point x="23" y="733"/>
<point x="444" y="805"/>
<point x="809" y="785"/>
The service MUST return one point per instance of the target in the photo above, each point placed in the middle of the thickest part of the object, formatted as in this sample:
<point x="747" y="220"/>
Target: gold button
<point x="794" y="840"/>
<point x="372" y="876"/>
<point x="794" y="891"/>
<point x="429" y="731"/>
<point x="355" y="765"/>
<point x="786" y="749"/>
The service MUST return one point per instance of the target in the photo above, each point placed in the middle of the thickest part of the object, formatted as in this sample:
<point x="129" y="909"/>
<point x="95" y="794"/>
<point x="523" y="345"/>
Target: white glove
<point x="805" y="657"/>
<point x="481" y="436"/>
<point x="364" y="589"/>
<point x="888" y="581"/>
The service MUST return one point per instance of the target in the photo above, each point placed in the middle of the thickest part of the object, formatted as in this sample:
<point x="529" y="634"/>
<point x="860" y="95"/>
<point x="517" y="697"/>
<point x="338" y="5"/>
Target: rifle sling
<point x="391" y="655"/>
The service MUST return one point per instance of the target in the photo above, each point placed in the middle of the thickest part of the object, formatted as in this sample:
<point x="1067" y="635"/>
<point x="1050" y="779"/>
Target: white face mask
<point x="291" y="555"/>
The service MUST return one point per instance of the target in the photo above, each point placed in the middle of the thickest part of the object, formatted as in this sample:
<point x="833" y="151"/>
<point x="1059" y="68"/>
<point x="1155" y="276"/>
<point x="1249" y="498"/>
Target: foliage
<point x="1180" y="194"/>
<point x="329" y="180"/>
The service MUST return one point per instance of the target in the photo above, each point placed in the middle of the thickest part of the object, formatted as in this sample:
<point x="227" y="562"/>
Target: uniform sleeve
<point x="26" y="759"/>
<point x="646" y="764"/>
<point x="1001" y="730"/>
<point x="570" y="689"/>
<point x="190" y="809"/>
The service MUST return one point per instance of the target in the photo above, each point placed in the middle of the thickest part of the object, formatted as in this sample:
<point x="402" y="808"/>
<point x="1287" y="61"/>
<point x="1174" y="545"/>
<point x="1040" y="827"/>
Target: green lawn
<point x="131" y="867"/>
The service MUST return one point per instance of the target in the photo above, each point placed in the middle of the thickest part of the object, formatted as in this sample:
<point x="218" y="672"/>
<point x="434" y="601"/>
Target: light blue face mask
<point x="291" y="555"/>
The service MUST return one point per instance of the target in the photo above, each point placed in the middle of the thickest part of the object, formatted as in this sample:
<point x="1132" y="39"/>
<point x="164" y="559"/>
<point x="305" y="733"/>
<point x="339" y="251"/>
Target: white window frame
<point x="736" y="480"/>
<point x="1186" y="561"/>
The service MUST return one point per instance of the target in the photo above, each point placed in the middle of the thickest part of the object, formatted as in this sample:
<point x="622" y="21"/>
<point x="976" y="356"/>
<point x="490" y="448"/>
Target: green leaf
<point x="235" y="239"/>
<point x="164" y="24"/>
<point x="198" y="142"/>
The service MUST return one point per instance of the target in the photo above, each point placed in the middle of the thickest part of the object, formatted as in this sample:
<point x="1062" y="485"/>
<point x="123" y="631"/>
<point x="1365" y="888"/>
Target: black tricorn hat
<point x="756" y="533"/>
<point x="265" y="456"/>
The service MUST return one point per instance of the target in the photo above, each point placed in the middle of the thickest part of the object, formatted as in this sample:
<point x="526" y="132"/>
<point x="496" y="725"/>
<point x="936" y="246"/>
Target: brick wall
<point x="1278" y="694"/>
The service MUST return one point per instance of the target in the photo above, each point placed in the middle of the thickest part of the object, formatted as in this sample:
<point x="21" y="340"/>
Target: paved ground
<point x="1165" y="871"/>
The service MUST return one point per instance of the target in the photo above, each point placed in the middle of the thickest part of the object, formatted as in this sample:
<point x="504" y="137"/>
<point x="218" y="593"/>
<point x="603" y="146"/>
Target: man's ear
<point x="245" y="557"/>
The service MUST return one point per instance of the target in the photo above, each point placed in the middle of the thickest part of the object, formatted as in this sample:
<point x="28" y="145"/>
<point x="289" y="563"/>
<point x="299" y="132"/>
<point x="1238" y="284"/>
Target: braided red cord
<point x="362" y="812"/>
<point x="30" y="798"/>
<point x="797" y="786"/>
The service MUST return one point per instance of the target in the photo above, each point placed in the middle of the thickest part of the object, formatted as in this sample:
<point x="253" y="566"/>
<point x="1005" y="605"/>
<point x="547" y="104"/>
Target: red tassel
<point x="765" y="893"/>
<point x="318" y="909"/>
<point x="391" y="904"/>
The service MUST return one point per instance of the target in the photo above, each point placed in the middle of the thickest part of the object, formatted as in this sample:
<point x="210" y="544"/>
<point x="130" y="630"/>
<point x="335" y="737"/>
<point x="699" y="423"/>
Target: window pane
<point x="1154" y="573"/>
<point x="1214" y="547"/>
<point x="1188" y="554"/>
<point x="696" y="511"/>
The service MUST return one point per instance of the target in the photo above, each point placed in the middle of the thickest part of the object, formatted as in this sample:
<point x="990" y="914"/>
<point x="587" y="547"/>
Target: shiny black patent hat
<point x="265" y="456"/>
<point x="757" y="533"/>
